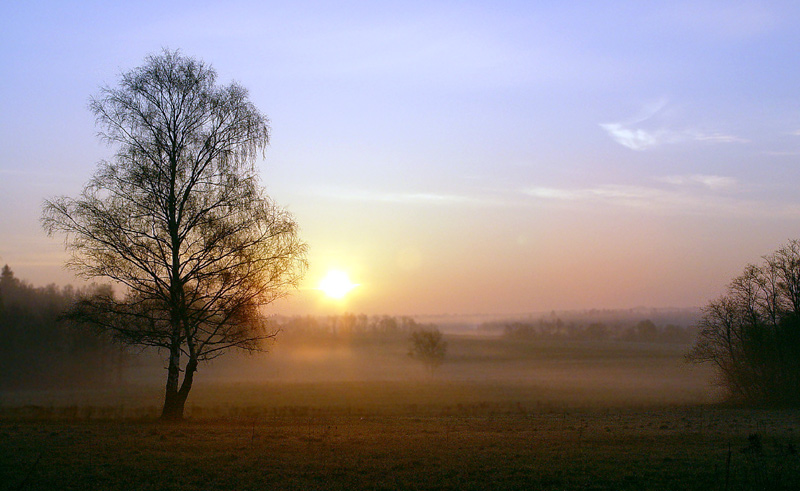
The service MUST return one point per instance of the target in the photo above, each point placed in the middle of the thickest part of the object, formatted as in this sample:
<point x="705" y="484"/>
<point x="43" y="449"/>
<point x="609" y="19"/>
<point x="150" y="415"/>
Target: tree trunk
<point x="186" y="386"/>
<point x="175" y="399"/>
<point x="173" y="407"/>
<point x="173" y="410"/>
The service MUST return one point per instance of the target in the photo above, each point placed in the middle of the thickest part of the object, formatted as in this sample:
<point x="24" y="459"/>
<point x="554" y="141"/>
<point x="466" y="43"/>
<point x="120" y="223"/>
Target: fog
<point x="618" y="357"/>
<point x="541" y="367"/>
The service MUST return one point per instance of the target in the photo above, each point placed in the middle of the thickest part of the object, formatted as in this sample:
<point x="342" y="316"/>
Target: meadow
<point x="359" y="414"/>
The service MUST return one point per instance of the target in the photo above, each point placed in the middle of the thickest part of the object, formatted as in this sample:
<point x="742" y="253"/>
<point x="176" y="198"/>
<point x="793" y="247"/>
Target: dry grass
<point x="667" y="448"/>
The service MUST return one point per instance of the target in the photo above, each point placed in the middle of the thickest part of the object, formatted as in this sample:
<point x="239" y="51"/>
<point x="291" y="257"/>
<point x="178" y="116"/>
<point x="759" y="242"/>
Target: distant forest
<point x="40" y="350"/>
<point x="671" y="326"/>
<point x="646" y="326"/>
<point x="348" y="326"/>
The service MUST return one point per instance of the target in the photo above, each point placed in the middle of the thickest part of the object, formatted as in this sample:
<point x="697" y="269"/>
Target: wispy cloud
<point x="709" y="181"/>
<point x="401" y="198"/>
<point x="648" y="130"/>
<point x="635" y="139"/>
<point x="629" y="196"/>
<point x="629" y="133"/>
<point x="555" y="193"/>
<point x="715" y="137"/>
<point x="688" y="194"/>
<point x="641" y="139"/>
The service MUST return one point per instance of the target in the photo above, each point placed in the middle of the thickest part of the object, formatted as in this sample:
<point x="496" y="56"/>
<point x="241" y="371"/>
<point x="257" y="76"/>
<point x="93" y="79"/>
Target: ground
<point x="500" y="414"/>
<point x="466" y="447"/>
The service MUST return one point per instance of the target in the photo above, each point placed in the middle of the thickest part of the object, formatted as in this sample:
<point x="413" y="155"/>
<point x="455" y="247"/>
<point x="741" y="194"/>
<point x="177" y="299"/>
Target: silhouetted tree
<point x="428" y="347"/>
<point x="179" y="218"/>
<point x="752" y="334"/>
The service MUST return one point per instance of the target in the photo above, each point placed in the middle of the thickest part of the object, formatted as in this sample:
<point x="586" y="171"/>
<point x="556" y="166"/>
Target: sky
<point x="467" y="157"/>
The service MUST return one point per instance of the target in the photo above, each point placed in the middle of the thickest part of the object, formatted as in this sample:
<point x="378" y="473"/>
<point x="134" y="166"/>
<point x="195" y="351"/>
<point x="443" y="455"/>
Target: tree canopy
<point x="179" y="219"/>
<point x="751" y="335"/>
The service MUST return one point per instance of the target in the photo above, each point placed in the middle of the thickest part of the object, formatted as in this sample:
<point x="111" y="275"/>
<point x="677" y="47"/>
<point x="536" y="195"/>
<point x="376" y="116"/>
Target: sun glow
<point x="336" y="284"/>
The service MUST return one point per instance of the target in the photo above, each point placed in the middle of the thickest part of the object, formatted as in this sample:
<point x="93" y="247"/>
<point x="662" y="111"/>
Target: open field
<point x="370" y="373"/>
<point x="478" y="447"/>
<point x="499" y="414"/>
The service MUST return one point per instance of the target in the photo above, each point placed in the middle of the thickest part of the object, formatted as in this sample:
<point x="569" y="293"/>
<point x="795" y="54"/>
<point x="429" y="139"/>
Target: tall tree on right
<point x="751" y="335"/>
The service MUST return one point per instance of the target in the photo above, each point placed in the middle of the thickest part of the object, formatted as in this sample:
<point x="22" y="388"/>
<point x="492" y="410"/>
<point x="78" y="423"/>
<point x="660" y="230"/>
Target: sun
<point x="336" y="284"/>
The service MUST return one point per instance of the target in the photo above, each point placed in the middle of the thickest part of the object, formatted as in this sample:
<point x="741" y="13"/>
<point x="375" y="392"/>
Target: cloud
<point x="419" y="198"/>
<point x="649" y="129"/>
<point x="621" y="195"/>
<point x="694" y="194"/>
<point x="709" y="181"/>
<point x="625" y="195"/>
<point x="402" y="198"/>
<point x="641" y="139"/>
<point x="635" y="139"/>
<point x="716" y="138"/>
<point x="553" y="193"/>
<point x="629" y="133"/>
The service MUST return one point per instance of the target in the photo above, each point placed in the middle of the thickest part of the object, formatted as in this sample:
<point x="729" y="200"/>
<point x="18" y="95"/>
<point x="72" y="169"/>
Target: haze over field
<point x="462" y="157"/>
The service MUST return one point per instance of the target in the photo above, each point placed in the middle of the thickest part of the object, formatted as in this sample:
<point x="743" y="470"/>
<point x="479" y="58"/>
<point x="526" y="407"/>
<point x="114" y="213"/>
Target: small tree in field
<point x="428" y="347"/>
<point x="180" y="220"/>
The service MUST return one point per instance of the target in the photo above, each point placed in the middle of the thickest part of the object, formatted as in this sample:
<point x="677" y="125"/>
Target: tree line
<point x="41" y="349"/>
<point x="349" y="327"/>
<point x="554" y="328"/>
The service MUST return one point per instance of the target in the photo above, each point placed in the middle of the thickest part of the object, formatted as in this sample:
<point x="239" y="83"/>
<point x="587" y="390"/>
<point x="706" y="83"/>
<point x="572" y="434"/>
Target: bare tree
<point x="428" y="347"/>
<point x="751" y="335"/>
<point x="180" y="220"/>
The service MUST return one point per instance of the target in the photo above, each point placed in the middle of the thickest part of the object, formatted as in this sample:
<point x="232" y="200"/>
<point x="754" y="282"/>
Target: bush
<point x="428" y="347"/>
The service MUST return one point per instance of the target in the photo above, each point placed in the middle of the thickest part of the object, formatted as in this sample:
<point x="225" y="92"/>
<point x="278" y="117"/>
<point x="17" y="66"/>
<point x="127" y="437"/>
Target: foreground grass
<point x="471" y="447"/>
<point x="500" y="414"/>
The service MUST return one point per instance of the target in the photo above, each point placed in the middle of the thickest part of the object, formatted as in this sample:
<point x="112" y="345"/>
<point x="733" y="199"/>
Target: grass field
<point x="468" y="448"/>
<point x="499" y="415"/>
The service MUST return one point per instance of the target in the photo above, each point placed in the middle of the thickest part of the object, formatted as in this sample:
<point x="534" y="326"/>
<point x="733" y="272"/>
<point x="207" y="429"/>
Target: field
<point x="332" y="415"/>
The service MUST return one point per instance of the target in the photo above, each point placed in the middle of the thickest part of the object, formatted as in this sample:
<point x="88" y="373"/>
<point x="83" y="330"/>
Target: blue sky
<point x="454" y="156"/>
